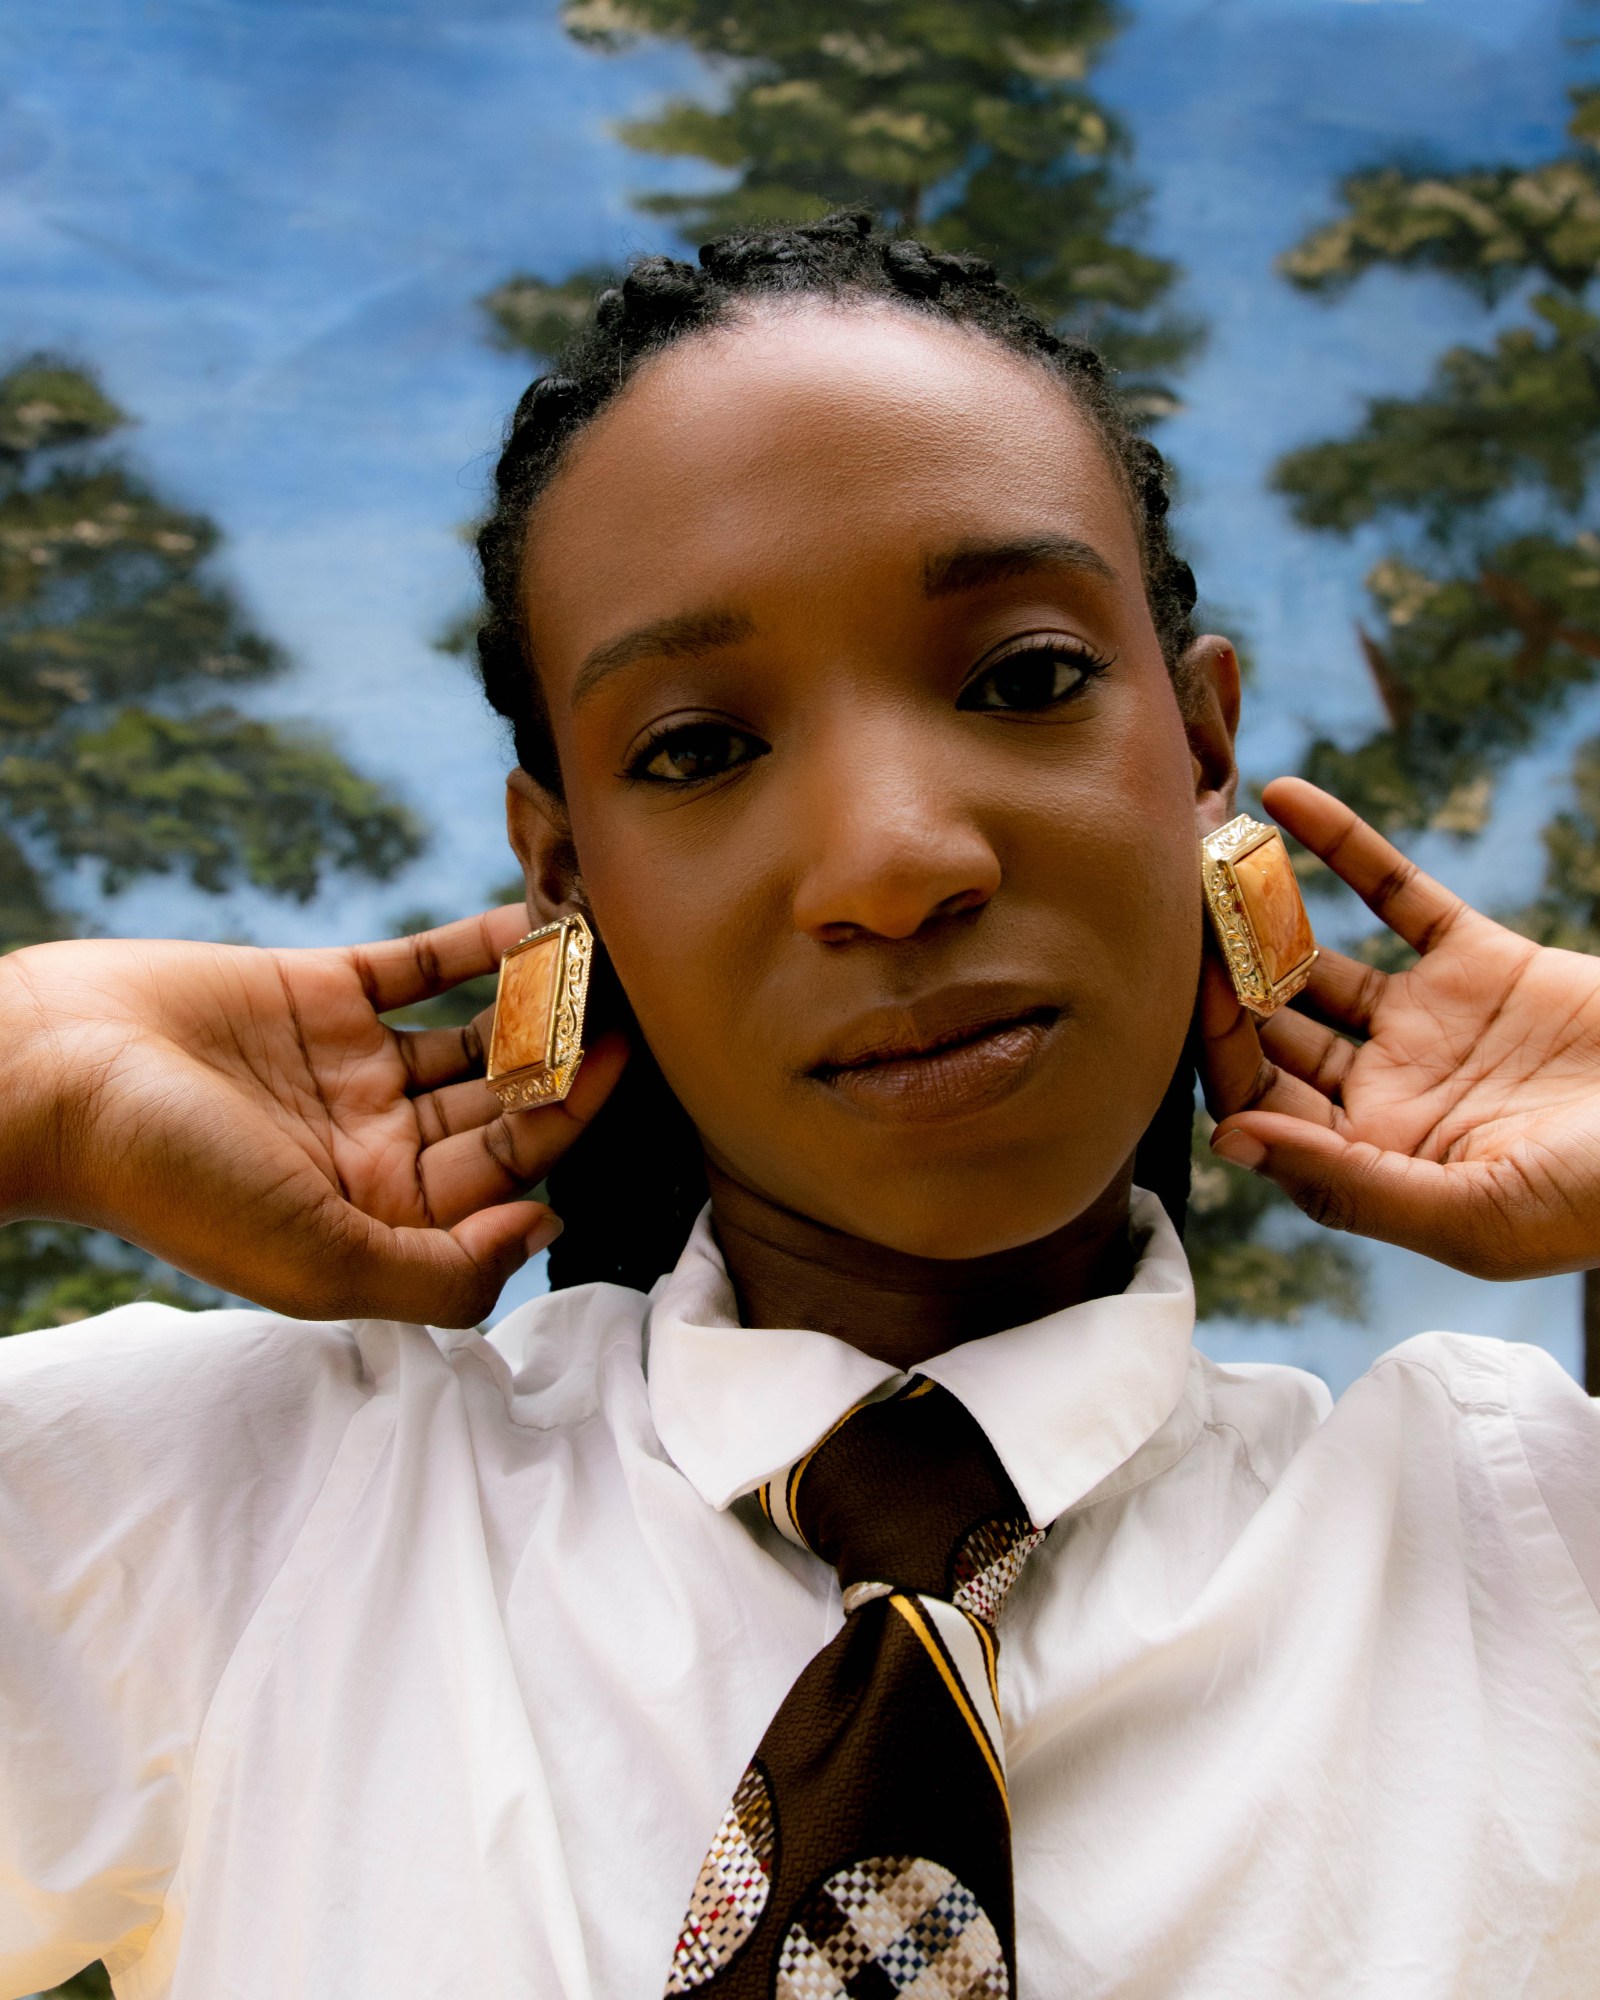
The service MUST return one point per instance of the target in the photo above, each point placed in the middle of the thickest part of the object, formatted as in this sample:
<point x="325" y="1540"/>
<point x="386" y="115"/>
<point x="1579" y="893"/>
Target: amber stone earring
<point x="1257" y="913"/>
<point x="536" y="1042"/>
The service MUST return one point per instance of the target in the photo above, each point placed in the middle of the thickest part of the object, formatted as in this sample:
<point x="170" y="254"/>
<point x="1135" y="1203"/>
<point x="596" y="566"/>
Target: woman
<point x="856" y="702"/>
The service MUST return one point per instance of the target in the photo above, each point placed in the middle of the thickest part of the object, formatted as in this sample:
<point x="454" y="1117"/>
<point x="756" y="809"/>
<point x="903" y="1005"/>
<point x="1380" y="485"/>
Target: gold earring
<point x="1257" y="912"/>
<point x="536" y="1042"/>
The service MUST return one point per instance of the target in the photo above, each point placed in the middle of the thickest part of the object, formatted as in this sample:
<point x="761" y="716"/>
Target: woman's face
<point x="878" y="787"/>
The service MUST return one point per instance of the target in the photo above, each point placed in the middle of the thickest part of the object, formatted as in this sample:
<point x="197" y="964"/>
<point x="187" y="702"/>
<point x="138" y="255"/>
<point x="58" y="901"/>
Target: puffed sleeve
<point x="155" y="1469"/>
<point x="1559" y="1429"/>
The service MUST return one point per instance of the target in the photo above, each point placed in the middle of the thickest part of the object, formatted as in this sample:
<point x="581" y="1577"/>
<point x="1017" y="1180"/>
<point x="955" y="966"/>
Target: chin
<point x="948" y="1224"/>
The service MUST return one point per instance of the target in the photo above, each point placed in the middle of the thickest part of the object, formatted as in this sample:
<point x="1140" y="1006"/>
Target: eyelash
<point x="1087" y="665"/>
<point x="682" y="734"/>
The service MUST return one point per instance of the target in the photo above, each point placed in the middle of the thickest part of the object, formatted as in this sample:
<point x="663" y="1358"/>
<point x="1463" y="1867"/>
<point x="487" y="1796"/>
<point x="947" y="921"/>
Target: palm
<point x="1480" y="1045"/>
<point x="327" y="1085"/>
<point x="1466" y="1121"/>
<point x="375" y="1167"/>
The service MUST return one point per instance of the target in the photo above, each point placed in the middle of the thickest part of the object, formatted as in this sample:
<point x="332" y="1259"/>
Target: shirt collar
<point x="1066" y="1401"/>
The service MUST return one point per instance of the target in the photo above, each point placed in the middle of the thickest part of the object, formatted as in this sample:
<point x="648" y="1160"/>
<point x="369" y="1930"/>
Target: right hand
<point x="1454" y="1107"/>
<point x="247" y="1115"/>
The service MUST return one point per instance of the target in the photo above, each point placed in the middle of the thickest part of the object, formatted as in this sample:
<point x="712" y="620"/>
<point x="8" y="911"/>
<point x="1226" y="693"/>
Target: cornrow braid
<point x="630" y="1188"/>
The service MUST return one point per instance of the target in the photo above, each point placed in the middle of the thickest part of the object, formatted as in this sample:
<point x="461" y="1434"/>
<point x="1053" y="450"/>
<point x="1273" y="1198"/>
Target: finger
<point x="456" y="1107"/>
<point x="1412" y="904"/>
<point x="1230" y="1050"/>
<point x="401" y="971"/>
<point x="1350" y="1185"/>
<point x="476" y="1169"/>
<point x="1237" y="1073"/>
<point x="439" y="1055"/>
<point x="1344" y="990"/>
<point x="1309" y="1051"/>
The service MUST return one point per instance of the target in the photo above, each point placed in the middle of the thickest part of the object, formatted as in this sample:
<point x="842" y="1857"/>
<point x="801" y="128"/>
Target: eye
<point x="1039" y="674"/>
<point x="691" y="752"/>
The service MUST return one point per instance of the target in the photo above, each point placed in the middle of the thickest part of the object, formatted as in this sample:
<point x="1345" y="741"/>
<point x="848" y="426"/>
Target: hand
<point x="1458" y="1113"/>
<point x="246" y="1115"/>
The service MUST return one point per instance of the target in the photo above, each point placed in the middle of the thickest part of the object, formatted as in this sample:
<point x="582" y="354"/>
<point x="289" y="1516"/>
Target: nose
<point x="892" y="842"/>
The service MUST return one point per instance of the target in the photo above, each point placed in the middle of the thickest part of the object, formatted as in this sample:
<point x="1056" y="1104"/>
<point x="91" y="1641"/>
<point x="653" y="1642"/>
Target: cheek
<point x="1116" y="827"/>
<point x="1113" y="858"/>
<point x="677" y="928"/>
<point x="1146" y="829"/>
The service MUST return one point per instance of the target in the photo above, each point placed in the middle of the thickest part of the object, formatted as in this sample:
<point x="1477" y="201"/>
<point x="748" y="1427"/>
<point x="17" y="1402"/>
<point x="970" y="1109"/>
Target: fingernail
<point x="1240" y="1150"/>
<point x="543" y="1233"/>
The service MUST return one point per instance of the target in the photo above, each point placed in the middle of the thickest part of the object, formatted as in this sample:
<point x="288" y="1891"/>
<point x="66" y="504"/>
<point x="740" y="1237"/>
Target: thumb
<point x="438" y="1276"/>
<point x="498" y="1242"/>
<point x="1350" y="1184"/>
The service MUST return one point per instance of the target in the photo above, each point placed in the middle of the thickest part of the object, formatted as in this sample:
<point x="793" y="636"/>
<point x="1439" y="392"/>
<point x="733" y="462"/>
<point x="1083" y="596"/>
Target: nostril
<point x="965" y="899"/>
<point x="843" y="931"/>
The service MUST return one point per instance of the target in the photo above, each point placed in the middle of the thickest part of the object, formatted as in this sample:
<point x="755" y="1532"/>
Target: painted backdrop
<point x="265" y="228"/>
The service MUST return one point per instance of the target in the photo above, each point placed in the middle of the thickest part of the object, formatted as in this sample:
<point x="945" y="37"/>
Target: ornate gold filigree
<point x="549" y="1081"/>
<point x="1230" y="917"/>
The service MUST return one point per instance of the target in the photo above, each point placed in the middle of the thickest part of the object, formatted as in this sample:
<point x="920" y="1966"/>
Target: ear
<point x="541" y="838"/>
<point x="1208" y="687"/>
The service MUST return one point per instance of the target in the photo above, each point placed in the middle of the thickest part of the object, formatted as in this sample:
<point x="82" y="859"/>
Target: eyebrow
<point x="975" y="564"/>
<point x="677" y="638"/>
<point x="969" y="567"/>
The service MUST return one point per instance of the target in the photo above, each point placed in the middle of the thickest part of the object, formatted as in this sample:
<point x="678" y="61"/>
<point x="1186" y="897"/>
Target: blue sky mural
<point x="266" y="222"/>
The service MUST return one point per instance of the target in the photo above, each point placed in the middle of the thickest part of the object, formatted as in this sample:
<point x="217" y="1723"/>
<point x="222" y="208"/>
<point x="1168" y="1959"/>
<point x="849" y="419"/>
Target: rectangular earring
<point x="536" y="1042"/>
<point x="1257" y="913"/>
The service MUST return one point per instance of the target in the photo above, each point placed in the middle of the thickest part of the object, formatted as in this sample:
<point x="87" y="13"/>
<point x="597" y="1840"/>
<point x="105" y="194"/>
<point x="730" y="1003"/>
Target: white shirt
<point x="361" y="1662"/>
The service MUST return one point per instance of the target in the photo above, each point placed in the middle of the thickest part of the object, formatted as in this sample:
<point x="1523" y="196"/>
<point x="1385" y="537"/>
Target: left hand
<point x="248" y="1115"/>
<point x="1463" y="1120"/>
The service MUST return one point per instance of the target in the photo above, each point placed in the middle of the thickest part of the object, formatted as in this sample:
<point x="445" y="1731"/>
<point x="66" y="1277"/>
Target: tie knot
<point x="908" y="1492"/>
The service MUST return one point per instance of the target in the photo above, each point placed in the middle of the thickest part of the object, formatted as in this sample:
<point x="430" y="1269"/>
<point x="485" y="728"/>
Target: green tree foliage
<point x="1485" y="630"/>
<point x="90" y="1984"/>
<point x="51" y="1273"/>
<point x="1486" y="607"/>
<point x="118" y="747"/>
<point x="968" y="122"/>
<point x="120" y="750"/>
<point x="1567" y="913"/>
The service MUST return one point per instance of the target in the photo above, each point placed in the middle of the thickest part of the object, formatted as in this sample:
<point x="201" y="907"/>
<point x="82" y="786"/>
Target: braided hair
<point x="630" y="1188"/>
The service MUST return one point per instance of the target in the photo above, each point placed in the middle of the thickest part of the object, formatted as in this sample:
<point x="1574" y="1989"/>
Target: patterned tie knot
<point x="908" y="1492"/>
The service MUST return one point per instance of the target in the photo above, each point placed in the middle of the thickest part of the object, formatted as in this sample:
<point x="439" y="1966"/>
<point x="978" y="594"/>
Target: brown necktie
<point x="867" y="1851"/>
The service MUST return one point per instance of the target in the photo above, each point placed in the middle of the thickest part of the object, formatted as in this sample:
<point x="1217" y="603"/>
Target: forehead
<point x="803" y="440"/>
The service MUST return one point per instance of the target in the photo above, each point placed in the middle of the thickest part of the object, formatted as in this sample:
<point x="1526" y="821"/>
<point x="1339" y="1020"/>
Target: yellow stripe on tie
<point x="991" y="1664"/>
<point x="958" y="1694"/>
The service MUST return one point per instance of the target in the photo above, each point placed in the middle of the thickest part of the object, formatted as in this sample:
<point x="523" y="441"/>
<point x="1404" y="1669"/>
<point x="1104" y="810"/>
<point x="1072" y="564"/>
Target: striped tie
<point x="867" y="1851"/>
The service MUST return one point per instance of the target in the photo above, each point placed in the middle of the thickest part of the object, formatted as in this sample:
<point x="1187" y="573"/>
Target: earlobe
<point x="1208" y="685"/>
<point x="541" y="839"/>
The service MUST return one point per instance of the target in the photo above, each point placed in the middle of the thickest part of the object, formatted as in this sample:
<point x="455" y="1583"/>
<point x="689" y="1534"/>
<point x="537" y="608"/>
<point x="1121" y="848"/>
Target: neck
<point x="789" y="1271"/>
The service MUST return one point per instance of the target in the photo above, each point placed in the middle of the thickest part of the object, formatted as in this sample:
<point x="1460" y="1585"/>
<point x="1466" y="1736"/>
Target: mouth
<point x="948" y="1074"/>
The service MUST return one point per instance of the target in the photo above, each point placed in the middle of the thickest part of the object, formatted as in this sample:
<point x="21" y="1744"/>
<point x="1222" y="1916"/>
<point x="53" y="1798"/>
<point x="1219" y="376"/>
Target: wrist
<point x="31" y="1121"/>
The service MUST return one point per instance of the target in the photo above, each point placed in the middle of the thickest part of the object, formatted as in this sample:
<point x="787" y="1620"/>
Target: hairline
<point x="734" y="314"/>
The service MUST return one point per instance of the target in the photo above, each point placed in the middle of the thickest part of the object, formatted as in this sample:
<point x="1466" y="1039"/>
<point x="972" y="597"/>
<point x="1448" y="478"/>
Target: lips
<point x="949" y="1055"/>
